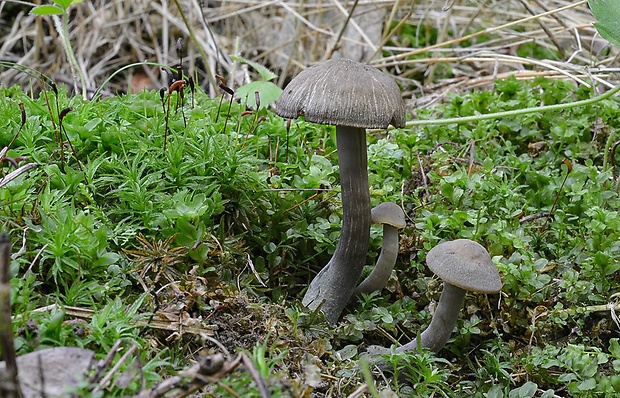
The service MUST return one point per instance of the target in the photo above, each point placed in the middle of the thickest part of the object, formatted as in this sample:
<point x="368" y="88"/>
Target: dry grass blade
<point x="108" y="377"/>
<point x="477" y="42"/>
<point x="16" y="173"/>
<point x="209" y="369"/>
<point x="173" y="325"/>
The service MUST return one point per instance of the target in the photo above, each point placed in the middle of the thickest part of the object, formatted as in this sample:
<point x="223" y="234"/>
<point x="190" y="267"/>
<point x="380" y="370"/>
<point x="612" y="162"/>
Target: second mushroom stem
<point x="437" y="334"/>
<point x="392" y="217"/>
<point x="334" y="284"/>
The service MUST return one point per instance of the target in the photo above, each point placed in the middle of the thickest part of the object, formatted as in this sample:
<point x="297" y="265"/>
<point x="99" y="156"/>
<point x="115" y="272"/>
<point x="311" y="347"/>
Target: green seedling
<point x="267" y="91"/>
<point x="60" y="8"/>
<point x="254" y="94"/>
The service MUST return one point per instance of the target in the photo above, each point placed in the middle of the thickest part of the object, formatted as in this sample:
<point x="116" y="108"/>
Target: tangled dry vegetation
<point x="432" y="48"/>
<point x="458" y="45"/>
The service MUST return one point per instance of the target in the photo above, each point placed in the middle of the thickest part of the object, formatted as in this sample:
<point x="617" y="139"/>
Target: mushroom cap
<point x="342" y="92"/>
<point x="388" y="213"/>
<point x="465" y="264"/>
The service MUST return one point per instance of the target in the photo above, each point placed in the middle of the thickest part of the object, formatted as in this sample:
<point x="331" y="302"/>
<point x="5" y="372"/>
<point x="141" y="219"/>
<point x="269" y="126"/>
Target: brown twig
<point x="544" y="27"/>
<point x="16" y="173"/>
<point x="103" y="383"/>
<point x="104" y="363"/>
<point x="260" y="383"/>
<point x="209" y="369"/>
<point x="336" y="43"/>
<point x="533" y="217"/>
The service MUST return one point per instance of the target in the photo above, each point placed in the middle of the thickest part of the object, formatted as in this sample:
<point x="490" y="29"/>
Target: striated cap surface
<point x="342" y="92"/>
<point x="466" y="264"/>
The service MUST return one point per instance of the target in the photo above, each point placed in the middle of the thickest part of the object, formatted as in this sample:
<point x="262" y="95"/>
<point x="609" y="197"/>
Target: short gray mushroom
<point x="463" y="265"/>
<point x="392" y="217"/>
<point x="353" y="97"/>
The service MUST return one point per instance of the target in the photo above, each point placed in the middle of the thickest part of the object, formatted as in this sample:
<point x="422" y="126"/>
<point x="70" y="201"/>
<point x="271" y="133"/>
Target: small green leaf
<point x="526" y="390"/>
<point x="56" y="320"/>
<point x="347" y="352"/>
<point x="495" y="392"/>
<point x="47" y="10"/>
<point x="66" y="3"/>
<point x="586" y="385"/>
<point x="614" y="348"/>
<point x="264" y="73"/>
<point x="106" y="259"/>
<point x="608" y="14"/>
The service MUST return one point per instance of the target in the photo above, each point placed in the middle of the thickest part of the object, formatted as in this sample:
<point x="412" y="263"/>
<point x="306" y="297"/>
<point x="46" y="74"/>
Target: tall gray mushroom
<point x="353" y="97"/>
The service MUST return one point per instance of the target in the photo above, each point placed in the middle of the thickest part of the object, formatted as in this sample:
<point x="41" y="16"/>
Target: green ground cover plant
<point x="171" y="227"/>
<point x="236" y="223"/>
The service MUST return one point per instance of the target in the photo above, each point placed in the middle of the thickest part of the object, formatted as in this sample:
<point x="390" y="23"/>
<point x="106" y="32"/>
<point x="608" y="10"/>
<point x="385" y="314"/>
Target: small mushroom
<point x="392" y="217"/>
<point x="464" y="265"/>
<point x="353" y="97"/>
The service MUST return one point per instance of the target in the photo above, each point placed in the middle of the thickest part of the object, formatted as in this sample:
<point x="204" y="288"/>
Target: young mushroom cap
<point x="388" y="213"/>
<point x="465" y="264"/>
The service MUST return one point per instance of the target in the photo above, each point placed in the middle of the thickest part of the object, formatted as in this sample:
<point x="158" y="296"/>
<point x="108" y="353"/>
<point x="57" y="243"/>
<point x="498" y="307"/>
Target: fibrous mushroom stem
<point x="334" y="284"/>
<point x="385" y="263"/>
<point x="437" y="334"/>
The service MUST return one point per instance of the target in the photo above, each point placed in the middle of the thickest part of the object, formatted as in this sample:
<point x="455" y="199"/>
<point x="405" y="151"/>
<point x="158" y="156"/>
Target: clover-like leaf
<point x="267" y="91"/>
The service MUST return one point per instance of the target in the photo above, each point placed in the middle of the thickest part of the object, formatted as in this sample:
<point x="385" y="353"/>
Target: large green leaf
<point x="607" y="12"/>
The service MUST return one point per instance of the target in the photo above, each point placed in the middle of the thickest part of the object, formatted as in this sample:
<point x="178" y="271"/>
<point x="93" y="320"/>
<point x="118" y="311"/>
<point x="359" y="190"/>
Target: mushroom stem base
<point x="437" y="334"/>
<point x="333" y="286"/>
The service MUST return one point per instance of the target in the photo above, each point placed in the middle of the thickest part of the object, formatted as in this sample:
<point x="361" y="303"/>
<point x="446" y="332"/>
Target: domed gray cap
<point x="342" y="92"/>
<point x="465" y="264"/>
<point x="388" y="213"/>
